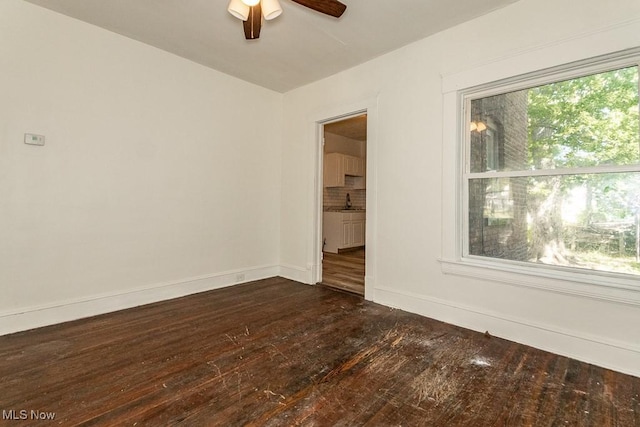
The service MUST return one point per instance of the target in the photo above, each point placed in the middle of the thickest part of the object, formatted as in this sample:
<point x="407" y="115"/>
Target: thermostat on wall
<point x="33" y="139"/>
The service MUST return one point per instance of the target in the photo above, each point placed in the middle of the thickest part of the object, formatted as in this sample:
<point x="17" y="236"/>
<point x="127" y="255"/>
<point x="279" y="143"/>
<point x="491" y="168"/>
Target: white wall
<point x="151" y="183"/>
<point x="408" y="231"/>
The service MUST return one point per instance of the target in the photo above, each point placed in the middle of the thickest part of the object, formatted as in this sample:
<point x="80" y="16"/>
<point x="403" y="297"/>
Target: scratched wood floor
<point x="344" y="270"/>
<point x="278" y="353"/>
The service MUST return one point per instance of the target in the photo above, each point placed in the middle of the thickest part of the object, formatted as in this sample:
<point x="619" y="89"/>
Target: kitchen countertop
<point x="337" y="209"/>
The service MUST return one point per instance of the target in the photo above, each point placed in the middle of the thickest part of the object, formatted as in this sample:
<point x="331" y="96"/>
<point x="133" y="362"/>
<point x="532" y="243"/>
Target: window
<point x="551" y="171"/>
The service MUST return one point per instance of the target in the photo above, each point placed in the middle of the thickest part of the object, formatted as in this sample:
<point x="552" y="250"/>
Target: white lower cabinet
<point x="357" y="232"/>
<point x="342" y="230"/>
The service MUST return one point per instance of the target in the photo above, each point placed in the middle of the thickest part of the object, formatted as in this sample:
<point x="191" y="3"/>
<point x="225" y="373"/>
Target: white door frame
<point x="368" y="106"/>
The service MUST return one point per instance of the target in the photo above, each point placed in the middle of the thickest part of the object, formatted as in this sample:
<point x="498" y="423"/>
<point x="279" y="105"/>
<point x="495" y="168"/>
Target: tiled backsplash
<point x="336" y="197"/>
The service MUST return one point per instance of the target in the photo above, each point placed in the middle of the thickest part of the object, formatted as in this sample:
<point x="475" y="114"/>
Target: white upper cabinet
<point x="338" y="165"/>
<point x="353" y="166"/>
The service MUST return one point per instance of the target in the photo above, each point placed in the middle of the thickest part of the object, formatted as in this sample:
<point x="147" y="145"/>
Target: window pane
<point x="585" y="221"/>
<point x="588" y="121"/>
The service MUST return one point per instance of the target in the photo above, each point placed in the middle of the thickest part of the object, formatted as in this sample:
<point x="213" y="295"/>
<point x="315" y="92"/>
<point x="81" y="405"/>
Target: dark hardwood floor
<point x="278" y="353"/>
<point x="344" y="270"/>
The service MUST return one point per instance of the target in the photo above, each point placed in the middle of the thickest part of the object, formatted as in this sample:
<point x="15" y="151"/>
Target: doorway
<point x="344" y="203"/>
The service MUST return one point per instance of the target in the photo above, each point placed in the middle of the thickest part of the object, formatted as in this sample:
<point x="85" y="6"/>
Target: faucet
<point x="347" y="205"/>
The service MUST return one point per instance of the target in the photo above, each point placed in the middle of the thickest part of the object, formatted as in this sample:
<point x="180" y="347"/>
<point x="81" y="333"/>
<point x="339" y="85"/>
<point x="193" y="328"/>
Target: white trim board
<point x="623" y="356"/>
<point x="296" y="274"/>
<point x="624" y="292"/>
<point x="65" y="311"/>
<point x="315" y="122"/>
<point x="607" y="353"/>
<point x="596" y="42"/>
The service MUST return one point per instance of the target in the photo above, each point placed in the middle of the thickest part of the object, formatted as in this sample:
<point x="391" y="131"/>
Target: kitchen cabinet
<point x="353" y="166"/>
<point x="342" y="230"/>
<point x="337" y="166"/>
<point x="333" y="175"/>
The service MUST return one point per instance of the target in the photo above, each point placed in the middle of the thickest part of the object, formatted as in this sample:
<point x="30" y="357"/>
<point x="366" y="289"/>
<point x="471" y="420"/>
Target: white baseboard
<point x="297" y="274"/>
<point x="64" y="311"/>
<point x="611" y="354"/>
<point x="369" y="288"/>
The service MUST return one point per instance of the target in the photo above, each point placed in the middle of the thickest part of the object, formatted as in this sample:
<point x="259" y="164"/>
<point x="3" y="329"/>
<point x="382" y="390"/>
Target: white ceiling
<point x="297" y="48"/>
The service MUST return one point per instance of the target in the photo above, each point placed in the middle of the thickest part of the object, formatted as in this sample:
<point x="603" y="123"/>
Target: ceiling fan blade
<point x="253" y="23"/>
<point x="328" y="7"/>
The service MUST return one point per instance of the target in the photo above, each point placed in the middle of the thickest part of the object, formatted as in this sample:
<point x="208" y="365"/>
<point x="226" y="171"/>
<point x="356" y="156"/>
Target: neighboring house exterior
<point x="497" y="206"/>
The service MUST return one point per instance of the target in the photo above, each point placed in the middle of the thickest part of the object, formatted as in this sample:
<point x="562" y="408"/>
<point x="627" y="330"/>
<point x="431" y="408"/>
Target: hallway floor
<point x="344" y="271"/>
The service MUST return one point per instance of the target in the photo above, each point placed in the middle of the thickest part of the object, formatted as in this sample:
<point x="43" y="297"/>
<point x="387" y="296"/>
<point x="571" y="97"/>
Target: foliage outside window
<point x="552" y="173"/>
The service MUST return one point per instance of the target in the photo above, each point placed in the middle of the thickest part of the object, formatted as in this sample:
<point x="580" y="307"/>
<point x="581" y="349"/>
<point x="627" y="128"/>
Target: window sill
<point x="606" y="287"/>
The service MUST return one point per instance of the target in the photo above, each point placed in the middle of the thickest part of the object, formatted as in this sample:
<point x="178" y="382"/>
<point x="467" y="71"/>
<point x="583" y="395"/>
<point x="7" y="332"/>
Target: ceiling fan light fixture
<point x="238" y="9"/>
<point x="478" y="126"/>
<point x="253" y="12"/>
<point x="271" y="9"/>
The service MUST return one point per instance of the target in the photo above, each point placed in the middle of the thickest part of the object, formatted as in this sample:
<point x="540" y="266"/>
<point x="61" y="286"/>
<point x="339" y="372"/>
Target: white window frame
<point x="617" y="287"/>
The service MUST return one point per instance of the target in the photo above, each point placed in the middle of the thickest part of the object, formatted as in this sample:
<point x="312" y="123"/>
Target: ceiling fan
<point x="251" y="12"/>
